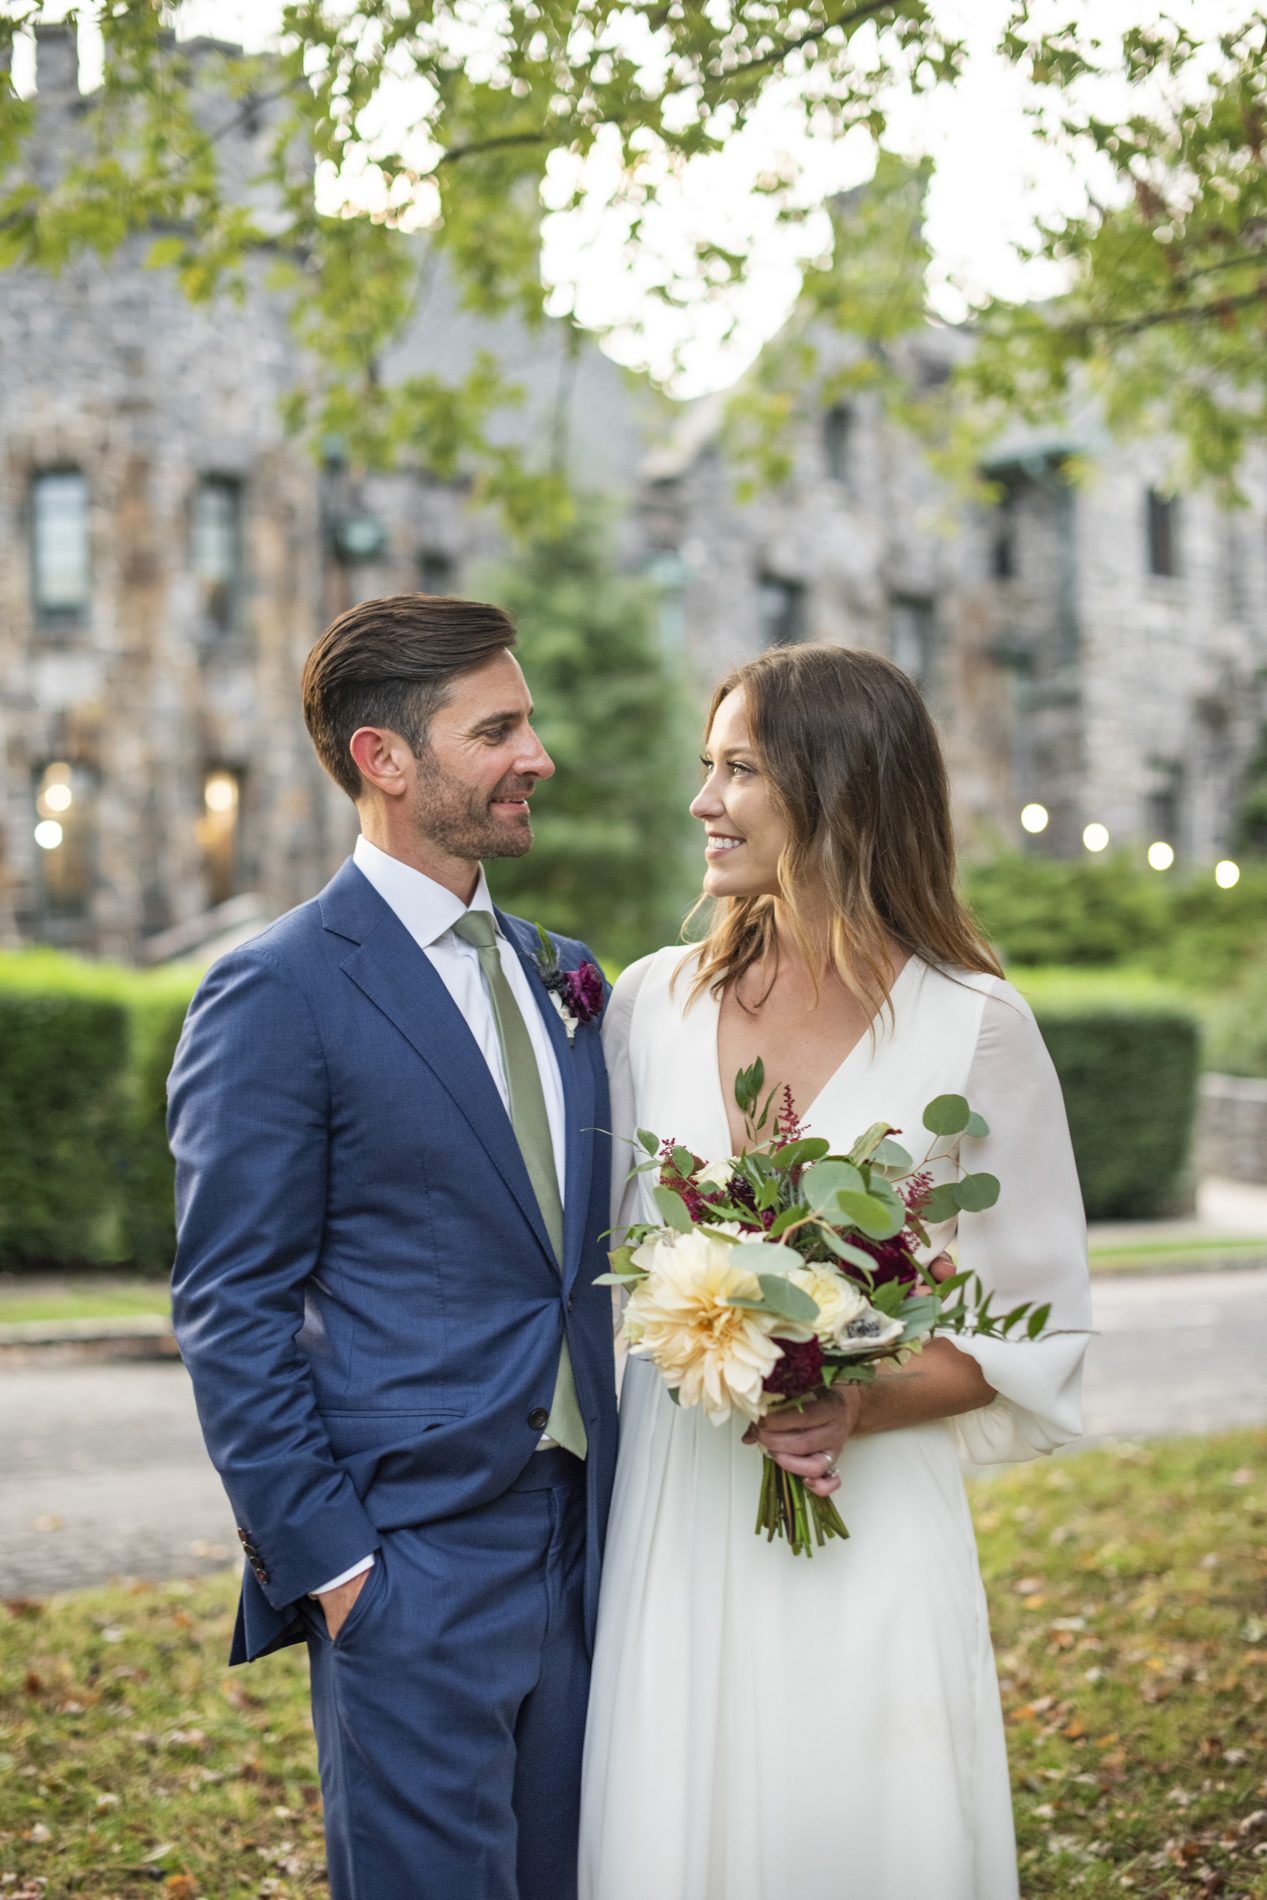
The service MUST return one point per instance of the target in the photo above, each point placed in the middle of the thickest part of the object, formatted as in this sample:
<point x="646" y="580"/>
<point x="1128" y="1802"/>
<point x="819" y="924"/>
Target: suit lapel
<point x="578" y="1098"/>
<point x="399" y="979"/>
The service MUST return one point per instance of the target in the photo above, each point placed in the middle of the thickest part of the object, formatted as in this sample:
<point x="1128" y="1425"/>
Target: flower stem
<point x="786" y="1509"/>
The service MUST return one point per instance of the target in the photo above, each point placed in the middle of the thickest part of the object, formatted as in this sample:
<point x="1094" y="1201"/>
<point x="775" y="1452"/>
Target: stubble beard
<point x="451" y="814"/>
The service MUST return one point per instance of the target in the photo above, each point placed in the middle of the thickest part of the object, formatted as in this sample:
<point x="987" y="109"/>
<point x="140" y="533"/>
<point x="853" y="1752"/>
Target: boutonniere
<point x="576" y="994"/>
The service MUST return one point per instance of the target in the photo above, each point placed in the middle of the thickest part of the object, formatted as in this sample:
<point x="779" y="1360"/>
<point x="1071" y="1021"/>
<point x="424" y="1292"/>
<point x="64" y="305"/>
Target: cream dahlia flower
<point x="712" y="1354"/>
<point x="716" y="1174"/>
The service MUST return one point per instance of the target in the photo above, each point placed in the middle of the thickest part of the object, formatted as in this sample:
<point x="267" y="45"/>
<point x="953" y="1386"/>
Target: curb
<point x="62" y="1341"/>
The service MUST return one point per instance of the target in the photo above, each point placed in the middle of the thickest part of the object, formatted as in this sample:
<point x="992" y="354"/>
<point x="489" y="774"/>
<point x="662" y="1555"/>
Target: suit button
<point x="243" y="1537"/>
<point x="571" y="1301"/>
<point x="262" y="1576"/>
<point x="538" y="1418"/>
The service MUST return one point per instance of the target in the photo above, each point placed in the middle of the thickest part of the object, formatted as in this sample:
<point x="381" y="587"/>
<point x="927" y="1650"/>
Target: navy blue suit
<point x="371" y="1312"/>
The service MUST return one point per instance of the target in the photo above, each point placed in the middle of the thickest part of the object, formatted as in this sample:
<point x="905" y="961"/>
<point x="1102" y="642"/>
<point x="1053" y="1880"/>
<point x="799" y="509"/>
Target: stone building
<point x="168" y="555"/>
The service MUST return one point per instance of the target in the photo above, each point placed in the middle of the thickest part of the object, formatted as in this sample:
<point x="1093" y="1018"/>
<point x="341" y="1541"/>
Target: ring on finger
<point x="829" y="1467"/>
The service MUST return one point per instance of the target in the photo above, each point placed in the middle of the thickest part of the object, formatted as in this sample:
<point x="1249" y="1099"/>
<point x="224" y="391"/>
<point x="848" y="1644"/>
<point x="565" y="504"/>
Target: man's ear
<point x="383" y="759"/>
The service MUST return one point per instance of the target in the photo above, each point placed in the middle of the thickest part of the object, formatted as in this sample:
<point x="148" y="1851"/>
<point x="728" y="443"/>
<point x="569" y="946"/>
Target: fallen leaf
<point x="1073" y="1730"/>
<point x="32" y="1684"/>
<point x="180" y="1887"/>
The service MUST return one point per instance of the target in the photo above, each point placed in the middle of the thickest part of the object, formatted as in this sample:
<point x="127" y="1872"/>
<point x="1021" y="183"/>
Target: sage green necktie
<point x="531" y="1124"/>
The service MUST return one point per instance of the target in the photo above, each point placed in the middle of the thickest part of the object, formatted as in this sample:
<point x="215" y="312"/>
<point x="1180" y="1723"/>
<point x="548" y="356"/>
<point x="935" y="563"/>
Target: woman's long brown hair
<point x="854" y="764"/>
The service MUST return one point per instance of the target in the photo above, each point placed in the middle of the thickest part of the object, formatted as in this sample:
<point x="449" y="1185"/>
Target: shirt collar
<point x="425" y="908"/>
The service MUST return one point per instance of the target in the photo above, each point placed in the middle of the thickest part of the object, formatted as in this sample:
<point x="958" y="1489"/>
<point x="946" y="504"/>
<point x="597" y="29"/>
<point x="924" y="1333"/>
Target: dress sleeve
<point x="617" y="1023"/>
<point x="1031" y="1245"/>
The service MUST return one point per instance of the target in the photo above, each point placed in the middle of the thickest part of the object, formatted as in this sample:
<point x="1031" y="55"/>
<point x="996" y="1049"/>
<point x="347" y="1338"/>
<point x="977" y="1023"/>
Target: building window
<point x="912" y="626"/>
<point x="65" y="832"/>
<point x="837" y="430"/>
<point x="780" y="611"/>
<point x="1163" y="534"/>
<point x="59" y="544"/>
<point x="1003" y="552"/>
<point x="436" y="572"/>
<point x="217" y="831"/>
<point x="218" y="550"/>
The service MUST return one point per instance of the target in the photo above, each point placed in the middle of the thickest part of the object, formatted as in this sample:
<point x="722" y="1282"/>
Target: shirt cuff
<point x="344" y="1576"/>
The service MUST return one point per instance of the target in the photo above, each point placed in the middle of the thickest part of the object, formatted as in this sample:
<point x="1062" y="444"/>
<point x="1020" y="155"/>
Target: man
<point x="390" y="1187"/>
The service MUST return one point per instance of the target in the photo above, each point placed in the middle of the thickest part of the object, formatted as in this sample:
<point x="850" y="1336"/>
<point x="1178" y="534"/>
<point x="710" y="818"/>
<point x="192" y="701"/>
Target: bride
<point x="763" y="1727"/>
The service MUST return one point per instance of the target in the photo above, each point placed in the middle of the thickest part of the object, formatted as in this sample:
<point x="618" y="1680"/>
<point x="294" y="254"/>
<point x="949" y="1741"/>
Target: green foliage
<point x="1128" y="1059"/>
<point x="1112" y="910"/>
<point x="85" y="1172"/>
<point x="553" y="82"/>
<point x="1164" y="320"/>
<point x="609" y="863"/>
<point x="868" y="293"/>
<point x="62" y="1058"/>
<point x="1236" y="1026"/>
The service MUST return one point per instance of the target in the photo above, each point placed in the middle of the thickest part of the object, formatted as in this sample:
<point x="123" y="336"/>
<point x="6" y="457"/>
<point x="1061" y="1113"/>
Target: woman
<point x="763" y="1727"/>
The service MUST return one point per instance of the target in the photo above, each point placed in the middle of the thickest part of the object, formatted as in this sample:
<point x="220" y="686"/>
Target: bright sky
<point x="992" y="180"/>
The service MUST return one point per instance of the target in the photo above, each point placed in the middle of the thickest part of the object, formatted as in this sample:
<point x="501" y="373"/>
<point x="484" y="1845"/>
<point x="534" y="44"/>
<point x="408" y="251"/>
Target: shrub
<point x="1106" y="911"/>
<point x="85" y="1173"/>
<point x="1128" y="1057"/>
<point x="1236" y="1027"/>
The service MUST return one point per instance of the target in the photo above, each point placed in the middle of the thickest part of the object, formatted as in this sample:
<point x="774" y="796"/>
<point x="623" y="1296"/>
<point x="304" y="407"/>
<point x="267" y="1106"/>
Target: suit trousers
<point x="450" y="1710"/>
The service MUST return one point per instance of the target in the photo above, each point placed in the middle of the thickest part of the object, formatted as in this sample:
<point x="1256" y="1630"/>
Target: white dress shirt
<point x="428" y="911"/>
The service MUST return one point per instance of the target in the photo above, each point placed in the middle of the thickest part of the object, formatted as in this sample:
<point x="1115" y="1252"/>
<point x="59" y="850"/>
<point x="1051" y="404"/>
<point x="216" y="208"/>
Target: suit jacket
<point x="364" y="1292"/>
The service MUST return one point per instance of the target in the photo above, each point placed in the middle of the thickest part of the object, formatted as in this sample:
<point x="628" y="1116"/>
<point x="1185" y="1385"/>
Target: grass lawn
<point x="1129" y="1597"/>
<point x="94" y="1296"/>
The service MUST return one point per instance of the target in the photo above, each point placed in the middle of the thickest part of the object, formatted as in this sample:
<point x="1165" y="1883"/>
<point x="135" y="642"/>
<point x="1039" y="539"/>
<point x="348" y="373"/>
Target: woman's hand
<point x="811" y="1439"/>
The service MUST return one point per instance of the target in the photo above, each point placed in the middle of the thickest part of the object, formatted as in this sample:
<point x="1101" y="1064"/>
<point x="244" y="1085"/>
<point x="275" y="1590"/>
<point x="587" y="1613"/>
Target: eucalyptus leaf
<point x="649" y="1141"/>
<point x="977" y="1126"/>
<point x="843" y="1251"/>
<point x="976" y="1192"/>
<point x="618" y="1279"/>
<point x="791" y="1302"/>
<point x="673" y="1394"/>
<point x="799" y="1154"/>
<point x="941" y="1205"/>
<point x="684" y="1161"/>
<point x="673" y="1207"/>
<point x="764" y="1257"/>
<point x="891" y="1154"/>
<point x="874" y="1216"/>
<point x="621" y="1259"/>
<point x="823" y="1182"/>
<point x="947" y="1115"/>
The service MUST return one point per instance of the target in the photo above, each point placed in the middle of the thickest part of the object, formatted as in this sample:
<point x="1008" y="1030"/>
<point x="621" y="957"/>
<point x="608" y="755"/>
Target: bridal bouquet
<point x="786" y="1269"/>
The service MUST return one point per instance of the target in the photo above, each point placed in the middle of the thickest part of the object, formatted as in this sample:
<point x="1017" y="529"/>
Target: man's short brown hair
<point x="390" y="663"/>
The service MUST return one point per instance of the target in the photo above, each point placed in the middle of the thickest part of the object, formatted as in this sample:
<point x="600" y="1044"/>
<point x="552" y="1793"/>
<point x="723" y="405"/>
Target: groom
<point x="390" y="1184"/>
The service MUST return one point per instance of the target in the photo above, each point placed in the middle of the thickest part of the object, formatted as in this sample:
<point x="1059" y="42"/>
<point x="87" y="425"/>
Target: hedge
<point x="1112" y="910"/>
<point x="85" y="1173"/>
<point x="1128" y="1054"/>
<point x="86" y="1177"/>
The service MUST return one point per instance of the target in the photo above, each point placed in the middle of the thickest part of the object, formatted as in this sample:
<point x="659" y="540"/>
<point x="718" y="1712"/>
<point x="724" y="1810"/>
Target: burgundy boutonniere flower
<point x="576" y="994"/>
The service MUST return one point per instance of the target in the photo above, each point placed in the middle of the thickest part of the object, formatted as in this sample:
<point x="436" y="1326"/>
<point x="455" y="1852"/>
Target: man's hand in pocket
<point x="337" y="1604"/>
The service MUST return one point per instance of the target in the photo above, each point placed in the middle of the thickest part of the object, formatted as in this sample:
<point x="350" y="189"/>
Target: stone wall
<point x="1231" y="1137"/>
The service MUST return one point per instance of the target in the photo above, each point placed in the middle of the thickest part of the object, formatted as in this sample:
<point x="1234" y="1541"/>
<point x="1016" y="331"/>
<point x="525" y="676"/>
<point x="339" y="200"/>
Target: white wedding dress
<point x="763" y="1727"/>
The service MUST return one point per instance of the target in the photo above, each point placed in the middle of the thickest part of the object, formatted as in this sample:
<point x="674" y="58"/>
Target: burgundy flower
<point x="798" y="1371"/>
<point x="582" y="991"/>
<point x="893" y="1259"/>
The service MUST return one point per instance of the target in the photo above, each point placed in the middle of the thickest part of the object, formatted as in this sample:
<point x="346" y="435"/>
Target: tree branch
<point x="475" y="146"/>
<point x="853" y="16"/>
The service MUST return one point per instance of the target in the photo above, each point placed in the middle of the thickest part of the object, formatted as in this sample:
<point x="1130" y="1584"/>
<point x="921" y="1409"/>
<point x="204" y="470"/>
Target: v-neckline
<point x="832" y="1079"/>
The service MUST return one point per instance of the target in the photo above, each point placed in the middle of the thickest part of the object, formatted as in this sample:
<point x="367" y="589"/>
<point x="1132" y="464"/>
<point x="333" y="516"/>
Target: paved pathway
<point x="104" y="1471"/>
